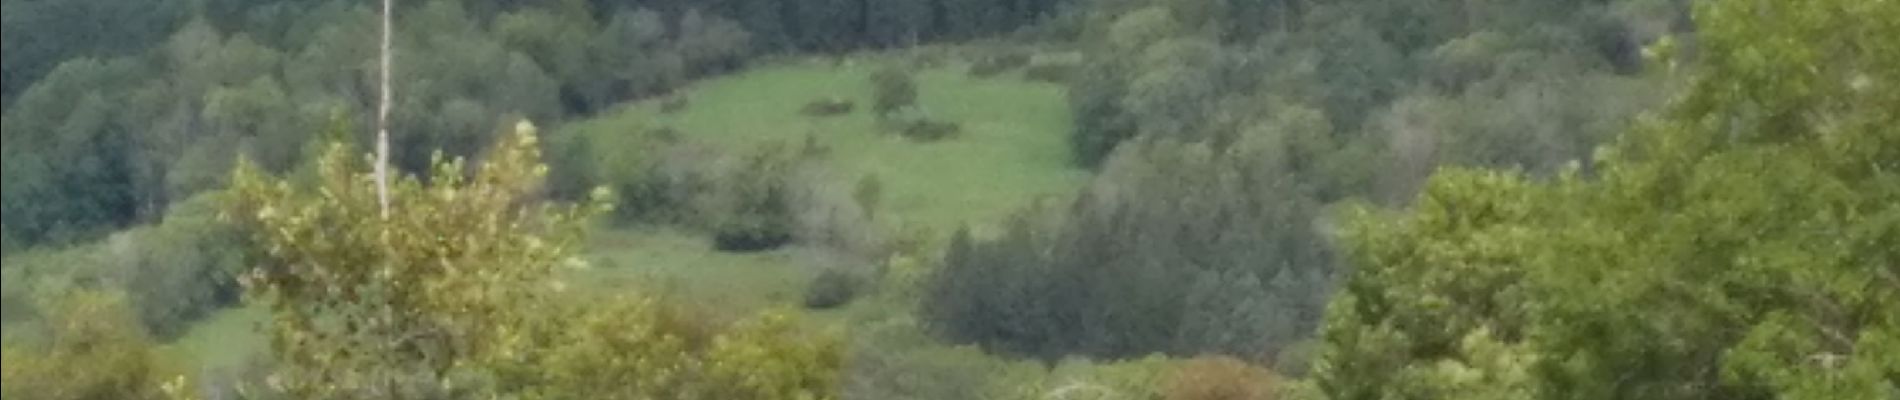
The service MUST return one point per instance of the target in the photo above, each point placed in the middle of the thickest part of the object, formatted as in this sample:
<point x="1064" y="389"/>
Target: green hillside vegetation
<point x="950" y="199"/>
<point x="1011" y="155"/>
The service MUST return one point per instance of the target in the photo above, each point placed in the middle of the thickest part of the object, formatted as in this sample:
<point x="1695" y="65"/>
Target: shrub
<point x="931" y="130"/>
<point x="829" y="216"/>
<point x="674" y="104"/>
<point x="96" y="350"/>
<point x="832" y="288"/>
<point x="826" y="107"/>
<point x="171" y="273"/>
<point x="1084" y="379"/>
<point x="181" y="269"/>
<point x="751" y="206"/>
<point x="768" y="358"/>
<point x="894" y="359"/>
<point x="1052" y="72"/>
<point x="1220" y="378"/>
<point x="868" y="193"/>
<point x="915" y="124"/>
<point x="892" y="90"/>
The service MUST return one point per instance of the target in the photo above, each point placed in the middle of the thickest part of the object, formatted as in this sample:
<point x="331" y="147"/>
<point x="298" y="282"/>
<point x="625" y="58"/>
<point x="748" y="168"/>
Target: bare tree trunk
<point x="382" y="121"/>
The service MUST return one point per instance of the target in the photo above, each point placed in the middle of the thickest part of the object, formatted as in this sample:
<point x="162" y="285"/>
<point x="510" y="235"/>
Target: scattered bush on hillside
<point x="892" y="89"/>
<point x="674" y="104"/>
<point x="814" y="148"/>
<point x="828" y="216"/>
<point x="996" y="62"/>
<point x="628" y="161"/>
<point x="927" y="130"/>
<point x="827" y="107"/>
<point x="831" y="288"/>
<point x="869" y="193"/>
<point x="751" y="207"/>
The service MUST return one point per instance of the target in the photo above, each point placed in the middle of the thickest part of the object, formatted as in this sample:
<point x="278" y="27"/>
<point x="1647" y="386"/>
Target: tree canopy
<point x="1738" y="244"/>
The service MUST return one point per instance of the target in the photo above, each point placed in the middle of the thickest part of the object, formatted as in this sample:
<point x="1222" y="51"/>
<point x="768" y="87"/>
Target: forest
<point x="950" y="199"/>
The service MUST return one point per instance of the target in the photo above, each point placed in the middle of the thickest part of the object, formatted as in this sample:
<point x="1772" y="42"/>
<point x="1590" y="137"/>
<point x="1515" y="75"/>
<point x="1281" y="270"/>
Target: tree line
<point x="113" y="107"/>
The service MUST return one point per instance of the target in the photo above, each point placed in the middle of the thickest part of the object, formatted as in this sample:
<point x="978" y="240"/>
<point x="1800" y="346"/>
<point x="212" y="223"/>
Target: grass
<point x="224" y="341"/>
<point x="1012" y="149"/>
<point x="684" y="267"/>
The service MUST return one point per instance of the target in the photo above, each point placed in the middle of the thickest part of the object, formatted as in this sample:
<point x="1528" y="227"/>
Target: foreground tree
<point x="1742" y="244"/>
<point x="453" y="295"/>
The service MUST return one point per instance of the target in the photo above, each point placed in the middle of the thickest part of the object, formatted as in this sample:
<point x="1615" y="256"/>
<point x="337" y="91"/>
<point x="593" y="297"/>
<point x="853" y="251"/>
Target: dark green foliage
<point x="674" y="104"/>
<point x="832" y="288"/>
<point x="65" y="143"/>
<point x="899" y="23"/>
<point x="1100" y="124"/>
<point x="1214" y="168"/>
<point x="710" y="44"/>
<point x="37" y="36"/>
<point x="1179" y="69"/>
<point x="183" y="269"/>
<point x="827" y="107"/>
<point x="1175" y="249"/>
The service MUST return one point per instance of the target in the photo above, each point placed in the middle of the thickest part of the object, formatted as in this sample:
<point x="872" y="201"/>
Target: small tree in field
<point x="1220" y="378"/>
<point x="892" y="90"/>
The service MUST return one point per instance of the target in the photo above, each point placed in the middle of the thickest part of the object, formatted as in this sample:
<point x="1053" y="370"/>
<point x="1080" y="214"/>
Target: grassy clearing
<point x="1012" y="149"/>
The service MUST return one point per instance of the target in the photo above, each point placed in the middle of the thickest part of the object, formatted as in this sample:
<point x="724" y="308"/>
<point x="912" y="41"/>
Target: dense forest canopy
<point x="951" y="199"/>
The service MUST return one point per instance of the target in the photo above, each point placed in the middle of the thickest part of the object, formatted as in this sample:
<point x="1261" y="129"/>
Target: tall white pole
<point x="382" y="121"/>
